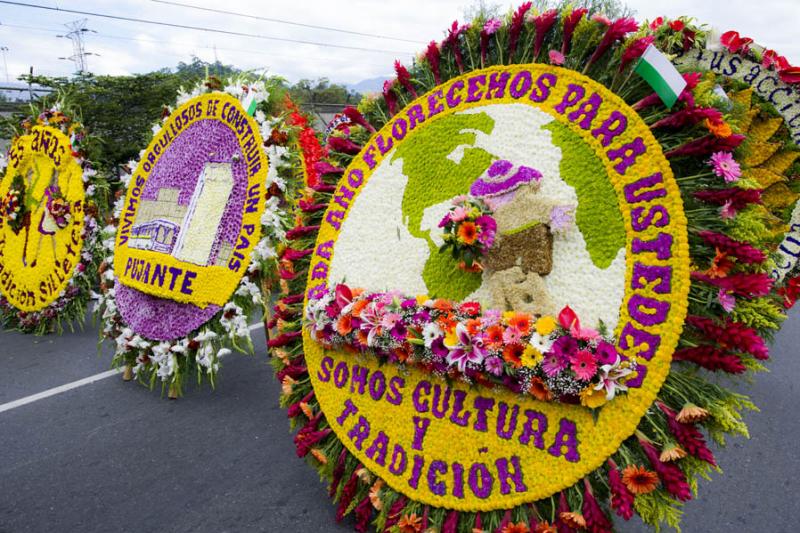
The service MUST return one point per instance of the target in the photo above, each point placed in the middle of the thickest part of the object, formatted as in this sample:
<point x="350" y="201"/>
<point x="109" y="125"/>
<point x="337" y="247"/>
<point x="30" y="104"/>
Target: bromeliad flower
<point x="725" y="166"/>
<point x="468" y="349"/>
<point x="610" y="378"/>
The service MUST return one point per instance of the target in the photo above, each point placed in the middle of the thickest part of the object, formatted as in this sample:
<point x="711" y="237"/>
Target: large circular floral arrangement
<point x="50" y="202"/>
<point x="195" y="234"/>
<point x="506" y="317"/>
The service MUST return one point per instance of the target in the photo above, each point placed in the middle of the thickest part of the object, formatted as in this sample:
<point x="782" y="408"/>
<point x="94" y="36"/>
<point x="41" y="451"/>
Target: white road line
<point x="75" y="384"/>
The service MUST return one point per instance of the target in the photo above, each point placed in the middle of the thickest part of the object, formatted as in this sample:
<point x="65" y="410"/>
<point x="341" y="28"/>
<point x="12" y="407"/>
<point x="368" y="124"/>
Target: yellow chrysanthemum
<point x="592" y="398"/>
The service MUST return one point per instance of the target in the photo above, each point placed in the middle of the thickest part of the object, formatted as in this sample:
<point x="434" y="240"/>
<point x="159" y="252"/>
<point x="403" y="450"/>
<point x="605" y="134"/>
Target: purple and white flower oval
<point x="501" y="180"/>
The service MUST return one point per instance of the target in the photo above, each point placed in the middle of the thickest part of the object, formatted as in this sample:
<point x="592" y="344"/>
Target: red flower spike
<point x="635" y="50"/>
<point x="300" y="232"/>
<point x="732" y="335"/>
<point x="338" y="472"/>
<point x="744" y="252"/>
<point x="345" y="146"/>
<point x="748" y="285"/>
<point x="505" y="521"/>
<point x="570" y="21"/>
<point x="404" y="78"/>
<point x="710" y="358"/>
<point x="284" y="338"/>
<point x="348" y="492"/>
<point x="688" y="436"/>
<point x="706" y="146"/>
<point x="688" y="116"/>
<point x="621" y="497"/>
<point x="432" y="55"/>
<point x="543" y="23"/>
<point x="616" y="32"/>
<point x="450" y="524"/>
<point x="363" y="512"/>
<point x="451" y="41"/>
<point x="395" y="513"/>
<point x="672" y="477"/>
<point x="596" y="519"/>
<point x="563" y="507"/>
<point x="390" y="97"/>
<point x="356" y="117"/>
<point x="517" y="20"/>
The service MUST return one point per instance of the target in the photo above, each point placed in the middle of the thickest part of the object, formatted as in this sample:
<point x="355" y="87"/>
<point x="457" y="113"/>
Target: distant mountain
<point x="370" y="85"/>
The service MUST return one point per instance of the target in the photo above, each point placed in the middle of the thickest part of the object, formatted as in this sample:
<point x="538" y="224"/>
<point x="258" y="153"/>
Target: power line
<point x="279" y="21"/>
<point x="199" y="28"/>
<point x="191" y="46"/>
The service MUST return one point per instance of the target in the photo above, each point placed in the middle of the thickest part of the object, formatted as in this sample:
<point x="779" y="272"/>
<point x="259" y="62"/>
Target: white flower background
<point x="376" y="251"/>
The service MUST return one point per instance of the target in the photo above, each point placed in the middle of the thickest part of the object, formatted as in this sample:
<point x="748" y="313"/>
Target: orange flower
<point x="403" y="353"/>
<point x="410" y="523"/>
<point x="344" y="325"/>
<point x="494" y="337"/>
<point x="306" y="410"/>
<point x="573" y="520"/>
<point x="473" y="326"/>
<point x="442" y="304"/>
<point x="511" y="527"/>
<point x="359" y="306"/>
<point x="720" y="266"/>
<point x="540" y="390"/>
<point x="719" y="129"/>
<point x="545" y="527"/>
<point x="512" y="354"/>
<point x="639" y="480"/>
<point x="375" y="496"/>
<point x="319" y="455"/>
<point x="361" y="335"/>
<point x="521" y="321"/>
<point x="691" y="413"/>
<point x="447" y="322"/>
<point x="475" y="268"/>
<point x="671" y="452"/>
<point x="468" y="232"/>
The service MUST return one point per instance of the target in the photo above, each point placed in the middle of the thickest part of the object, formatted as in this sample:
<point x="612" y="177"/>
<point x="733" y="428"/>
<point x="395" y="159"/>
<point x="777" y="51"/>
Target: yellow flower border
<point x="544" y="474"/>
<point x="198" y="285"/>
<point x="34" y="288"/>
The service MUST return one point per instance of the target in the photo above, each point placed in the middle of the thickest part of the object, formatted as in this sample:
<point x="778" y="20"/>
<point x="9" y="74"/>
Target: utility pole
<point x="4" y="50"/>
<point x="77" y="29"/>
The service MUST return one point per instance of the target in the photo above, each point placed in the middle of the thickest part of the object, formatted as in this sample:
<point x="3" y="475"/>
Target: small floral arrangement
<point x="58" y="207"/>
<point x="12" y="207"/>
<point x="550" y="358"/>
<point x="469" y="231"/>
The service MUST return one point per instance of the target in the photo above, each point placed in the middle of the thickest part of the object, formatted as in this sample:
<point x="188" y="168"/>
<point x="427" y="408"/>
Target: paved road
<point x="113" y="456"/>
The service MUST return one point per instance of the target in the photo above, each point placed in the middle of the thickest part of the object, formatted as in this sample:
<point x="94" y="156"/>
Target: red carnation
<point x="570" y="21"/>
<point x="596" y="519"/>
<point x="433" y="55"/>
<point x="621" y="497"/>
<point x="676" y="25"/>
<point x="635" y="50"/>
<point x="711" y="358"/>
<point x="615" y="32"/>
<point x="517" y="19"/>
<point x="404" y="77"/>
<point x="543" y="23"/>
<point x="672" y="477"/>
<point x="790" y="292"/>
<point x="688" y="436"/>
<point x="744" y="252"/>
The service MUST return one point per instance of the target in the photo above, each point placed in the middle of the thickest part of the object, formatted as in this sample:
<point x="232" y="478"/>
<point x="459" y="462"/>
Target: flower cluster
<point x="469" y="231"/>
<point x="58" y="207"/>
<point x="12" y="206"/>
<point x="550" y="358"/>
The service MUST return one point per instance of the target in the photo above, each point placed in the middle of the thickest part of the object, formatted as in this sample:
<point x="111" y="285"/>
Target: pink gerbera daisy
<point x="725" y="166"/>
<point x="584" y="365"/>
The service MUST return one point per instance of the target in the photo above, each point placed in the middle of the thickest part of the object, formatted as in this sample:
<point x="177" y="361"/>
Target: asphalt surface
<point x="114" y="456"/>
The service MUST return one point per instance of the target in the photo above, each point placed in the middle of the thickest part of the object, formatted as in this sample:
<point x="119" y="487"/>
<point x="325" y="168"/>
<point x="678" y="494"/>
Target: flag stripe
<point x="661" y="74"/>
<point x="657" y="82"/>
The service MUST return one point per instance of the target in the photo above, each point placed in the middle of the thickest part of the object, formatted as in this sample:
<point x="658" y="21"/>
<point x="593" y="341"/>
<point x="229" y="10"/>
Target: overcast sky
<point x="31" y="35"/>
